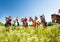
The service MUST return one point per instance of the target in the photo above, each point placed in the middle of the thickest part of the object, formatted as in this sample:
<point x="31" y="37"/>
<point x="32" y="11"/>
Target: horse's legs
<point x="45" y="25"/>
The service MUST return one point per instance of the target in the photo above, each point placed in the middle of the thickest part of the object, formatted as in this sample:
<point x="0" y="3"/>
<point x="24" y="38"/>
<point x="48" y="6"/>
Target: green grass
<point x="30" y="34"/>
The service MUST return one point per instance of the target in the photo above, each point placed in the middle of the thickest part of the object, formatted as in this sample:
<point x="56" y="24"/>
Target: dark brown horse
<point x="44" y="23"/>
<point x="8" y="21"/>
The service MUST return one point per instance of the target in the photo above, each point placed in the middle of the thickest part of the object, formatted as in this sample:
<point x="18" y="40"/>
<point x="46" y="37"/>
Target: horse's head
<point x="36" y="17"/>
<point x="22" y="19"/>
<point x="6" y="19"/>
<point x="30" y="19"/>
<point x="40" y="17"/>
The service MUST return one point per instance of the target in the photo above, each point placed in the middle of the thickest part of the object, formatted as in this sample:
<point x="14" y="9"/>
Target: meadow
<point x="30" y="34"/>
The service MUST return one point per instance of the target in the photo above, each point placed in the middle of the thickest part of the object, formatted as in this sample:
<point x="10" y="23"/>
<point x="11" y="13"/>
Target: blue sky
<point x="27" y="8"/>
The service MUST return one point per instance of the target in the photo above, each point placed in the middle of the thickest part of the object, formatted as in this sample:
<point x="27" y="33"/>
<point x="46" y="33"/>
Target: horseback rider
<point x="25" y="23"/>
<point x="8" y="21"/>
<point x="16" y="23"/>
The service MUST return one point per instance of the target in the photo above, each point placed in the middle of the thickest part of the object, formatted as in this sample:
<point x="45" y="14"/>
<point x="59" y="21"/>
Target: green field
<point x="30" y="34"/>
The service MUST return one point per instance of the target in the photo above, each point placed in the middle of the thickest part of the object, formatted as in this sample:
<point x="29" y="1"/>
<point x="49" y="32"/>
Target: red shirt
<point x="9" y="19"/>
<point x="25" y="19"/>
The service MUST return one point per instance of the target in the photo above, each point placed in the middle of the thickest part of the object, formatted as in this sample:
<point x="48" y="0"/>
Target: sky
<point x="27" y="8"/>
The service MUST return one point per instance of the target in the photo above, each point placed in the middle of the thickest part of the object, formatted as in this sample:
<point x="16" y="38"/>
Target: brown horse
<point x="25" y="23"/>
<point x="38" y="23"/>
<point x="44" y="23"/>
<point x="33" y="22"/>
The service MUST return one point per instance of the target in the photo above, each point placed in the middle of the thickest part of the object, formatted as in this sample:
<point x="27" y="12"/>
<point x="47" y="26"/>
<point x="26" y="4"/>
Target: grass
<point x="30" y="34"/>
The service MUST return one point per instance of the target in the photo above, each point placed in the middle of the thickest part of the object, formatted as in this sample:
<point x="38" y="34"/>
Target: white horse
<point x="16" y="23"/>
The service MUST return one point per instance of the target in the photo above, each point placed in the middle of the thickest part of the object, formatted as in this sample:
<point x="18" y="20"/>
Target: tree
<point x="50" y="24"/>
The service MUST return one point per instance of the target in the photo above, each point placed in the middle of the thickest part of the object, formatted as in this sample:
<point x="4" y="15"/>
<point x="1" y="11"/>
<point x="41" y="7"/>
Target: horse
<point x="33" y="22"/>
<point x="8" y="21"/>
<point x="43" y="22"/>
<point x="38" y="23"/>
<point x="25" y="23"/>
<point x="16" y="23"/>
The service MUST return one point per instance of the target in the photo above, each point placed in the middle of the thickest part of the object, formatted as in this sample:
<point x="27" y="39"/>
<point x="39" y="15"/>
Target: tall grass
<point x="30" y="34"/>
